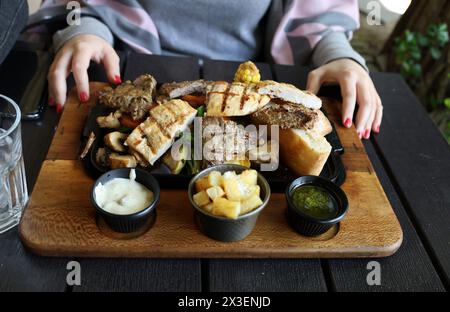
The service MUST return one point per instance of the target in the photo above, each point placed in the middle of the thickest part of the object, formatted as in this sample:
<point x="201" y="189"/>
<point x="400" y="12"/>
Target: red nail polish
<point x="51" y="101"/>
<point x="348" y="123"/>
<point x="59" y="108"/>
<point x="84" y="97"/>
<point x="367" y="134"/>
<point x="117" y="79"/>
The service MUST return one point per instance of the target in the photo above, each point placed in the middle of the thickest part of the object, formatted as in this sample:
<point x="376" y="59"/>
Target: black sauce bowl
<point x="308" y="225"/>
<point x="135" y="221"/>
<point x="221" y="228"/>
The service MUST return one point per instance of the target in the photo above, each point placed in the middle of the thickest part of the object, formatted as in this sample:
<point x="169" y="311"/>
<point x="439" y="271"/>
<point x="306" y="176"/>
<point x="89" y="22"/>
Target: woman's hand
<point x="356" y="86"/>
<point x="75" y="57"/>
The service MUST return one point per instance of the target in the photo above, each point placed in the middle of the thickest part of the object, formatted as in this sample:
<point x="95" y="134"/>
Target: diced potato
<point x="214" y="178"/>
<point x="214" y="192"/>
<point x="234" y="189"/>
<point x="201" y="198"/>
<point x="228" y="175"/>
<point x="208" y="207"/>
<point x="250" y="204"/>
<point x="202" y="184"/>
<point x="252" y="191"/>
<point x="226" y="208"/>
<point x="249" y="177"/>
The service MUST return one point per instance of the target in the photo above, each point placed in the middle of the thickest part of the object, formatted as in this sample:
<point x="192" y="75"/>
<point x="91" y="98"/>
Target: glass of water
<point x="13" y="184"/>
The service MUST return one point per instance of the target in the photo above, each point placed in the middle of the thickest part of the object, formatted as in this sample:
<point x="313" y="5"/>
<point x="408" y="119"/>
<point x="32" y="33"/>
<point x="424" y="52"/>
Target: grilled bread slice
<point x="304" y="152"/>
<point x="289" y="93"/>
<point x="155" y="135"/>
<point x="233" y="99"/>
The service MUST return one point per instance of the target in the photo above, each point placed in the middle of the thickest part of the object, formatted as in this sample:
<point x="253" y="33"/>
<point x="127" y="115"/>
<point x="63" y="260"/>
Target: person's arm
<point x="322" y="31"/>
<point x="92" y="40"/>
<point x="14" y="15"/>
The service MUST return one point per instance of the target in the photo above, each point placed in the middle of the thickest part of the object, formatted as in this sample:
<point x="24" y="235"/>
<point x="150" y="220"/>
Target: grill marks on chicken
<point x="155" y="135"/>
<point x="233" y="99"/>
<point x="134" y="98"/>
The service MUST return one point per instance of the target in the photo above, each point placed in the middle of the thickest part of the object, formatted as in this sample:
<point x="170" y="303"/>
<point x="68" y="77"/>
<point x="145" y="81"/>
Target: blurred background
<point x="408" y="37"/>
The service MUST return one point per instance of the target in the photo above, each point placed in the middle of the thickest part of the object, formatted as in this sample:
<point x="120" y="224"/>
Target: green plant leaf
<point x="435" y="53"/>
<point x="447" y="104"/>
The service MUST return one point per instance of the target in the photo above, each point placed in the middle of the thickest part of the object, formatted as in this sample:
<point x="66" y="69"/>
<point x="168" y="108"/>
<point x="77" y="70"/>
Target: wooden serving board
<point x="60" y="221"/>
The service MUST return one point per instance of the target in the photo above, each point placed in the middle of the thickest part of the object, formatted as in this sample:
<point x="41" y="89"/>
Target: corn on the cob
<point x="247" y="73"/>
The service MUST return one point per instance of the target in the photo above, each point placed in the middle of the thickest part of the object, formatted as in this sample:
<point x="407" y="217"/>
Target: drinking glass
<point x="13" y="184"/>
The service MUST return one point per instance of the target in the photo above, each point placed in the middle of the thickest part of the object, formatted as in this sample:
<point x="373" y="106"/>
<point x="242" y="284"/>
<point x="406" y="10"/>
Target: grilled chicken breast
<point x="223" y="140"/>
<point x="233" y="99"/>
<point x="134" y="98"/>
<point x="288" y="93"/>
<point x="155" y="135"/>
<point x="177" y="89"/>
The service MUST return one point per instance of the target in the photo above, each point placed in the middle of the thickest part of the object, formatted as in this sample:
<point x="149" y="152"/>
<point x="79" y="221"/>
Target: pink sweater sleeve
<point x="305" y="23"/>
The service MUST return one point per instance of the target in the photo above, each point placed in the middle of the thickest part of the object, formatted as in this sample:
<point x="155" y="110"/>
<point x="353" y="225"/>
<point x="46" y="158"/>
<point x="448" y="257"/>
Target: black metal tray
<point x="333" y="170"/>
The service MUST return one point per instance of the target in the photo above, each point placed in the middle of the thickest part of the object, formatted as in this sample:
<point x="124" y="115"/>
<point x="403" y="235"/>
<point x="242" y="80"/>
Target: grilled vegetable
<point x="127" y="121"/>
<point x="247" y="73"/>
<point x="194" y="100"/>
<point x="175" y="165"/>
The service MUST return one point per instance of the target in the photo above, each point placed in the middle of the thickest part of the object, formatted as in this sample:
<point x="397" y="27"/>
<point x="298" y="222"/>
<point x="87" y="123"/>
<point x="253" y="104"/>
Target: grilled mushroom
<point x="115" y="141"/>
<point x="111" y="121"/>
<point x="121" y="161"/>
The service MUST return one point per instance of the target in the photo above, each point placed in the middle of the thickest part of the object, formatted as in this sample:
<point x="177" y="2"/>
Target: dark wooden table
<point x="411" y="159"/>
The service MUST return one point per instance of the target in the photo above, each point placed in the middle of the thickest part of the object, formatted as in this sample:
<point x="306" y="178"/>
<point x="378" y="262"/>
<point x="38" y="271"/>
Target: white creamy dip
<point x="123" y="196"/>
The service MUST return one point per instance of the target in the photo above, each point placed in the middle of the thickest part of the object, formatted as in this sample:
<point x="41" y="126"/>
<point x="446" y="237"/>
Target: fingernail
<point x="51" y="101"/>
<point x="58" y="108"/>
<point x="348" y="123"/>
<point x="359" y="135"/>
<point x="377" y="130"/>
<point x="117" y="79"/>
<point x="84" y="97"/>
<point x="367" y="134"/>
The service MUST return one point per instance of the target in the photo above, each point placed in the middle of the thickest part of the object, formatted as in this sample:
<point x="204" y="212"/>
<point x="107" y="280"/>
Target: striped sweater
<point x="284" y="31"/>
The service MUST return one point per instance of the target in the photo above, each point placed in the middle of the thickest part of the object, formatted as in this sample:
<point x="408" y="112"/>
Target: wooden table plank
<point x="146" y="274"/>
<point x="262" y="274"/>
<point x="410" y="263"/>
<point x="410" y="269"/>
<point x="418" y="158"/>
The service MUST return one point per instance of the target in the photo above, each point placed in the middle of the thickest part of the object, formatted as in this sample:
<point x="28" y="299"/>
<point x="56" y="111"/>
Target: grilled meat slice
<point x="178" y="89"/>
<point x="223" y="140"/>
<point x="286" y="115"/>
<point x="233" y="99"/>
<point x="155" y="135"/>
<point x="288" y="93"/>
<point x="134" y="98"/>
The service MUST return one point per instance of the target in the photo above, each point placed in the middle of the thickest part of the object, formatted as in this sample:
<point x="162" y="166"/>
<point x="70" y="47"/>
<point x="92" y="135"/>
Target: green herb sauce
<point x="315" y="202"/>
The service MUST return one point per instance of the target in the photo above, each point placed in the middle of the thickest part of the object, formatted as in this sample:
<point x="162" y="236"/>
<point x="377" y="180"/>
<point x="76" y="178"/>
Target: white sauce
<point x="123" y="196"/>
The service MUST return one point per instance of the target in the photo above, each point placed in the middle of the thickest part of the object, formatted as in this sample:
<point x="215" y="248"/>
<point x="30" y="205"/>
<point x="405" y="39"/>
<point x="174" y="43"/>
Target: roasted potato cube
<point x="201" y="198"/>
<point x="214" y="192"/>
<point x="226" y="208"/>
<point x="249" y="177"/>
<point x="214" y="178"/>
<point x="234" y="189"/>
<point x="228" y="175"/>
<point x="208" y="207"/>
<point x="250" y="204"/>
